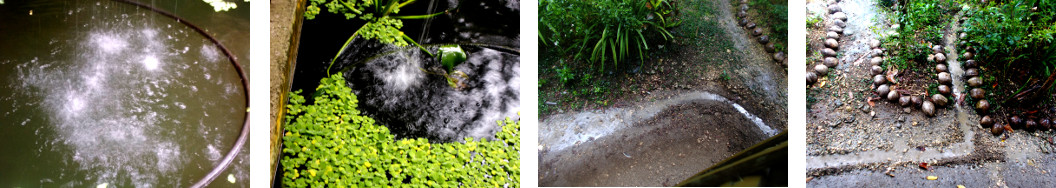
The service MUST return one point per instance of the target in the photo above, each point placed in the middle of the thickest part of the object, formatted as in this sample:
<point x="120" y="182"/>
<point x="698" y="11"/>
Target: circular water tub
<point x="117" y="93"/>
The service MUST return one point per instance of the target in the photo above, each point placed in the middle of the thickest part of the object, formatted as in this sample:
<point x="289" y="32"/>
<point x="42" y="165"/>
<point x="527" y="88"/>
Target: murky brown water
<point x="101" y="92"/>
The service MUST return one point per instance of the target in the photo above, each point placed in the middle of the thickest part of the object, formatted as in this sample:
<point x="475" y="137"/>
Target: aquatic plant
<point x="328" y="143"/>
<point x="382" y="23"/>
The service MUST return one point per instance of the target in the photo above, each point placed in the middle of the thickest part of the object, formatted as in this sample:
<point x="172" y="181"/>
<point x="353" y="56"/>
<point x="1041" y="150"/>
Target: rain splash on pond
<point x="100" y="92"/>
<point x="405" y="90"/>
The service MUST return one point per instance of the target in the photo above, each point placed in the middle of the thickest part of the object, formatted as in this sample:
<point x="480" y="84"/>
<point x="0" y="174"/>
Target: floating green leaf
<point x="451" y="55"/>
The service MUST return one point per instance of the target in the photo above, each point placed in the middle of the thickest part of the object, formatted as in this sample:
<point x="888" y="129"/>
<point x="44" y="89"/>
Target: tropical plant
<point x="1014" y="31"/>
<point x="329" y="143"/>
<point x="382" y="23"/>
<point x="604" y="30"/>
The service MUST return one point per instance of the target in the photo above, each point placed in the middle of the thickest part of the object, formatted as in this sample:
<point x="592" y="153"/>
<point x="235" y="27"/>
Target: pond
<point x="105" y="92"/>
<point x="406" y="89"/>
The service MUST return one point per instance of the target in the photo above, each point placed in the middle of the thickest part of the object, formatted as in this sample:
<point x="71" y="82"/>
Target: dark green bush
<point x="774" y="13"/>
<point x="604" y="30"/>
<point x="329" y="144"/>
<point x="1010" y="32"/>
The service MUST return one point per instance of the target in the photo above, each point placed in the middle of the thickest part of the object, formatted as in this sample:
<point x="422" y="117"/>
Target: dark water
<point x="390" y="81"/>
<point x="403" y="89"/>
<point x="492" y="22"/>
<point x="95" y="92"/>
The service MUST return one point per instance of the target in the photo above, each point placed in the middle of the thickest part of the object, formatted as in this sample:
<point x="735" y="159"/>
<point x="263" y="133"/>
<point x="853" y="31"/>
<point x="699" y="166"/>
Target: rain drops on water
<point x="150" y="62"/>
<point x="221" y="5"/>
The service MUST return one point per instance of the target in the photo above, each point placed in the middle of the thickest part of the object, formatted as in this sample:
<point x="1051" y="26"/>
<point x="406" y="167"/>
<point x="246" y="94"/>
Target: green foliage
<point x="774" y="13"/>
<point x="921" y="23"/>
<point x="565" y="74"/>
<point x="329" y="143"/>
<point x="604" y="30"/>
<point x="451" y="55"/>
<point x="381" y="23"/>
<point x="1013" y="31"/>
<point x="376" y="12"/>
<point x="813" y="20"/>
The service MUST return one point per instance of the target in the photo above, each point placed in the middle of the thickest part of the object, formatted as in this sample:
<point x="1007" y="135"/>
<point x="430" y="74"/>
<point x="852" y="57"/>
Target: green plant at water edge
<point x="329" y="143"/>
<point x="451" y="55"/>
<point x="381" y="24"/>
<point x="605" y="30"/>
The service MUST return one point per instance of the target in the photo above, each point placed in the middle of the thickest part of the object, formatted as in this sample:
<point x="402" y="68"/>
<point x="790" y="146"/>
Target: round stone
<point x="975" y="82"/>
<point x="878" y="79"/>
<point x="877" y="70"/>
<point x="828" y="52"/>
<point x="944" y="78"/>
<point x="821" y="69"/>
<point x="831" y="61"/>
<point x="831" y="43"/>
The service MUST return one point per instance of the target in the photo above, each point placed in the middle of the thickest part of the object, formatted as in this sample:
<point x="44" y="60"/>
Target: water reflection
<point x="405" y="90"/>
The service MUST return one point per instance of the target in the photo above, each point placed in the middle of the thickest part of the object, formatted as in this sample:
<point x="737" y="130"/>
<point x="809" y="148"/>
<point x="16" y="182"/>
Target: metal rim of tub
<point x="244" y="134"/>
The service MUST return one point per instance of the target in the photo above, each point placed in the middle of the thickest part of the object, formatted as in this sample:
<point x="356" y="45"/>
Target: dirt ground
<point x="653" y="128"/>
<point x="853" y="142"/>
<point x="663" y="150"/>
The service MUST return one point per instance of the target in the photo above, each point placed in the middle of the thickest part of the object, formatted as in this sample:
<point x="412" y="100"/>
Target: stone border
<point x="758" y="32"/>
<point x="832" y="43"/>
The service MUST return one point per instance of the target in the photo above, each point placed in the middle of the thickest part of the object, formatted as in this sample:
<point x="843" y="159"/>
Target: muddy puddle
<point x="653" y="144"/>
